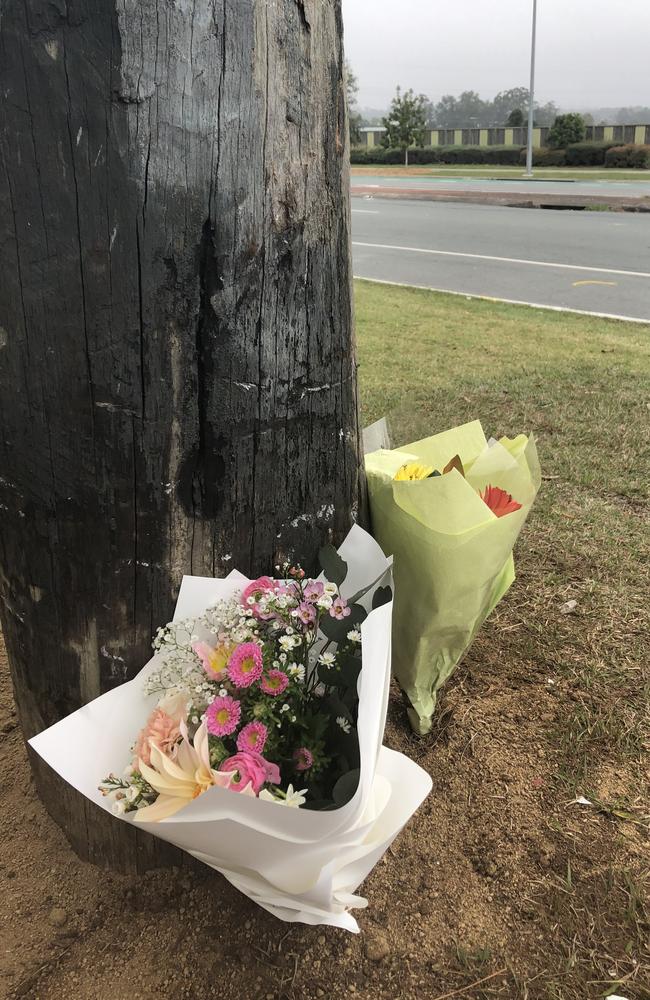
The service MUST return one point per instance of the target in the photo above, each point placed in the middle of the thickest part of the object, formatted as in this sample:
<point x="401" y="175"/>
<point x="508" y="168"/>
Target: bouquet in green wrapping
<point x="449" y="509"/>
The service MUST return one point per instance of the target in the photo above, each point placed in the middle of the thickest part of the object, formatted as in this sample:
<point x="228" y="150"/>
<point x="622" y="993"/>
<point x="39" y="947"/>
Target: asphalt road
<point x="617" y="189"/>
<point x="595" y="262"/>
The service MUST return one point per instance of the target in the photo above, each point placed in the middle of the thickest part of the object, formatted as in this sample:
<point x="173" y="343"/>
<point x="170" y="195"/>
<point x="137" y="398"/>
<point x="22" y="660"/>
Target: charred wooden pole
<point x="177" y="366"/>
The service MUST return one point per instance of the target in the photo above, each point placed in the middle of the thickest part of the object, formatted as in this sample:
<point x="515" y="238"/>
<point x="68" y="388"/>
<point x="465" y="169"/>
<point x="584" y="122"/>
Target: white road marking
<point x="504" y="260"/>
<point x="510" y="302"/>
<point x="363" y="211"/>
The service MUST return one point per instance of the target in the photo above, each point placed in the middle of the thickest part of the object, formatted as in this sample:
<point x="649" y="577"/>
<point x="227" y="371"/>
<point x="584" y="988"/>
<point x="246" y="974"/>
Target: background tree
<point x="637" y="115"/>
<point x="405" y="122"/>
<point x="355" y="119"/>
<point x="451" y="112"/>
<point x="545" y="114"/>
<point x="177" y="368"/>
<point x="507" y="101"/>
<point x="469" y="107"/>
<point x="516" y="119"/>
<point x="566" y="129"/>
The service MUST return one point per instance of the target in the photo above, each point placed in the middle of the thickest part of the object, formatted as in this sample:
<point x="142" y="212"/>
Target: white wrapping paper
<point x="297" y="864"/>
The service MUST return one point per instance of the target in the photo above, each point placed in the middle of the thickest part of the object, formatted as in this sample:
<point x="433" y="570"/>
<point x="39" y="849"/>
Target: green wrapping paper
<point x="452" y="556"/>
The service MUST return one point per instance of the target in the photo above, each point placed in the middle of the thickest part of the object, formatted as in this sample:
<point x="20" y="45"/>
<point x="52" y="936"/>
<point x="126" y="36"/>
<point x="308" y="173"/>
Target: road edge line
<point x="510" y="302"/>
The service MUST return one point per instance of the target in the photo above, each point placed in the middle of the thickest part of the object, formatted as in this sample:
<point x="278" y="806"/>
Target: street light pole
<point x="531" y="99"/>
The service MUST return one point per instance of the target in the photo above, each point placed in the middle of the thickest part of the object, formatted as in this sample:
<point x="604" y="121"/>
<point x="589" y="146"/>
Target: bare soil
<point x="489" y="879"/>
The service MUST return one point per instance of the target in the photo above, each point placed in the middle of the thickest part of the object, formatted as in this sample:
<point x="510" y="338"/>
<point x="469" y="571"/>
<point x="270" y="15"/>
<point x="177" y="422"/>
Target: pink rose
<point x="257" y="589"/>
<point x="252" y="769"/>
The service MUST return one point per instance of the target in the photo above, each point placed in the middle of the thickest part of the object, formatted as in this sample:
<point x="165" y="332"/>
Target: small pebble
<point x="376" y="945"/>
<point x="58" y="916"/>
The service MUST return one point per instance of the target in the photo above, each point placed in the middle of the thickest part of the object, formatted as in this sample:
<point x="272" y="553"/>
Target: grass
<point x="496" y="173"/>
<point x="582" y="384"/>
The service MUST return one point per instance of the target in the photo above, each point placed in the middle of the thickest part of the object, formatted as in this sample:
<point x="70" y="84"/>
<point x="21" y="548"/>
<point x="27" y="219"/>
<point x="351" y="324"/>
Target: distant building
<point x="372" y="135"/>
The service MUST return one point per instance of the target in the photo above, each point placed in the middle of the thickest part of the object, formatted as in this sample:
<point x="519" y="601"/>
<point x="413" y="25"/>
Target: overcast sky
<point x="590" y="52"/>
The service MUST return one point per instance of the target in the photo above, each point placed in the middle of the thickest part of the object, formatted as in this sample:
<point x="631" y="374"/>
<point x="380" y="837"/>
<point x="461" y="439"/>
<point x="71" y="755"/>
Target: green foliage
<point x="336" y="630"/>
<point x="587" y="154"/>
<point x="381" y="596"/>
<point x="377" y="154"/>
<point x="566" y="129"/>
<point x="355" y="120"/>
<point x="458" y="112"/>
<point x="218" y="752"/>
<point x="452" y="111"/>
<point x="345" y="787"/>
<point x="406" y="121"/>
<point x="516" y="119"/>
<point x="636" y="157"/>
<point x="507" y="102"/>
<point x="497" y="155"/>
<point x="488" y="155"/>
<point x="543" y="157"/>
<point x="344" y="673"/>
<point x="334" y="568"/>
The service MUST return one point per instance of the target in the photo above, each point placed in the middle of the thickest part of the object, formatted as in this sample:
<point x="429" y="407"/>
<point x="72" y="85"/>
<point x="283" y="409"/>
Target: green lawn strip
<point x="582" y="384"/>
<point x="474" y="171"/>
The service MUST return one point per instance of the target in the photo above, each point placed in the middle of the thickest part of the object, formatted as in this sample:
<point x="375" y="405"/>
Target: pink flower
<point x="303" y="758"/>
<point x="255" y="590"/>
<point x="213" y="659"/>
<point x="306" y="613"/>
<point x="340" y="609"/>
<point x="252" y="737"/>
<point x="162" y="731"/>
<point x="222" y="716"/>
<point x="274" y="683"/>
<point x="252" y="769"/>
<point x="313" y="591"/>
<point x="245" y="665"/>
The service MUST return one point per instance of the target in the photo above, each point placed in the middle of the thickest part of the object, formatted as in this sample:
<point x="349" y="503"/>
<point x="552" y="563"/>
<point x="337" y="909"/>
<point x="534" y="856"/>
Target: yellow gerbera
<point x="412" y="471"/>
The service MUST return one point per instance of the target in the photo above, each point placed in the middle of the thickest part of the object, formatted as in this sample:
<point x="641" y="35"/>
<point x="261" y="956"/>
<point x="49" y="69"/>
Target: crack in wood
<point x="303" y="14"/>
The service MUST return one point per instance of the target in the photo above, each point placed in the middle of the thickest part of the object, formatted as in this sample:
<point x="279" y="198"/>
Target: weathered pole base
<point x="177" y="360"/>
<point x="96" y="836"/>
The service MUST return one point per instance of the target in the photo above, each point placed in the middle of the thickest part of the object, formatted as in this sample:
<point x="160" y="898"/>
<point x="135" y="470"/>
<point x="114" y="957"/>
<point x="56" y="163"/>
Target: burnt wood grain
<point x="177" y="365"/>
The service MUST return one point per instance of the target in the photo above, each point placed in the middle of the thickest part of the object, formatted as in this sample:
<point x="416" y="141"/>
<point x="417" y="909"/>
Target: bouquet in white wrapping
<point x="253" y="738"/>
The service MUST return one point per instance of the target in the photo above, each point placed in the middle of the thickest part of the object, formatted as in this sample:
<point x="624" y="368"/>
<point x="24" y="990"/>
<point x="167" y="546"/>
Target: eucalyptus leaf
<point x="334" y="568"/>
<point x="337" y="629"/>
<point x="349" y="669"/>
<point x="347" y="746"/>
<point x="330" y="675"/>
<point x="364" y="590"/>
<point x="337" y="708"/>
<point x="381" y="596"/>
<point x="345" y="787"/>
<point x="343" y="674"/>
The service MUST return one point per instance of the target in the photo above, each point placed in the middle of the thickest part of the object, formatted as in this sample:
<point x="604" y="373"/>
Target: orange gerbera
<point x="499" y="501"/>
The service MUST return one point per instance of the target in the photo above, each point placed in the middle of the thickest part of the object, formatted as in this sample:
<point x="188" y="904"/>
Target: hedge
<point x="499" y="155"/>
<point x="580" y="154"/>
<point x="378" y="155"/>
<point x="490" y="155"/>
<point x="587" y="154"/>
<point x="544" y="157"/>
<point x="635" y="157"/>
